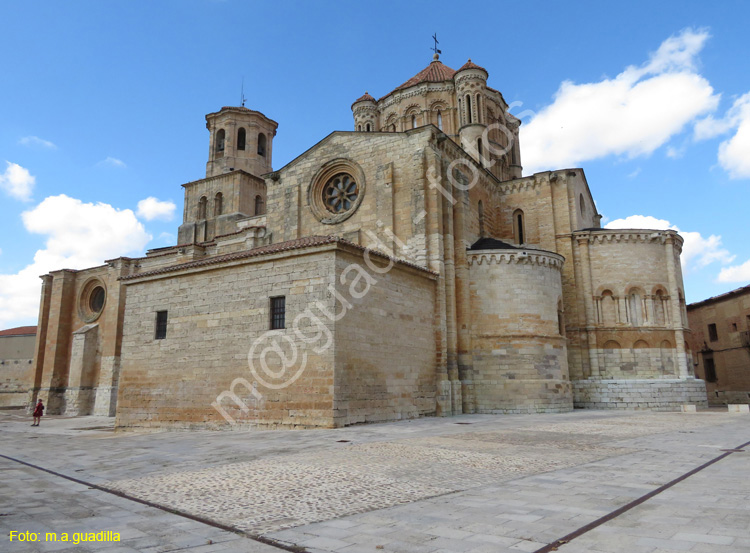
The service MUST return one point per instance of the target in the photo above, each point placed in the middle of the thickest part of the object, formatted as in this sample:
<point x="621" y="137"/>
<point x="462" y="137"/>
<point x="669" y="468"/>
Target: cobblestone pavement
<point x="470" y="483"/>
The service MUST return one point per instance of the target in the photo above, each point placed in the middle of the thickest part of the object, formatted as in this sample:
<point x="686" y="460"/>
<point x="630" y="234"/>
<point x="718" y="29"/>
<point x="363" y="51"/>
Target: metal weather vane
<point x="435" y="48"/>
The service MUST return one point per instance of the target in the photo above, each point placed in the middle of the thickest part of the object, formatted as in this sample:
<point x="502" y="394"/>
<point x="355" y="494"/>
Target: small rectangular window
<point x="708" y="364"/>
<point x="161" y="325"/>
<point x="734" y="327"/>
<point x="712" y="334"/>
<point x="278" y="312"/>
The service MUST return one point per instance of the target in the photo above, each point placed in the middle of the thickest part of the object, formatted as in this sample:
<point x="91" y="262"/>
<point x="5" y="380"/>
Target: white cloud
<point x="632" y="114"/>
<point x="736" y="273"/>
<point x="734" y="154"/>
<point x="79" y="235"/>
<point x="697" y="251"/>
<point x="152" y="208"/>
<point x="112" y="162"/>
<point x="36" y="141"/>
<point x="17" y="182"/>
<point x="634" y="173"/>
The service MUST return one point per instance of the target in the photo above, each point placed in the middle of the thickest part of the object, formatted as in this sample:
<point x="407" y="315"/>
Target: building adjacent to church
<point x="402" y="269"/>
<point x="720" y="342"/>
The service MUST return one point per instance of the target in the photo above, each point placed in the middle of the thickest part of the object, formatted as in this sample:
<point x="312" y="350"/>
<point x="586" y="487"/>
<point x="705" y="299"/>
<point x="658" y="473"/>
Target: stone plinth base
<point x="655" y="395"/>
<point x="738" y="408"/>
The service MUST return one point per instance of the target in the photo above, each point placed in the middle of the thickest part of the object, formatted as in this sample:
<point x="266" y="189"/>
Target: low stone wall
<point x="655" y="395"/>
<point x="726" y="397"/>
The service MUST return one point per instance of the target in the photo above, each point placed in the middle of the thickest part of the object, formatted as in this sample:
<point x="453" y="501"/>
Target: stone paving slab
<point x="472" y="483"/>
<point x="31" y="500"/>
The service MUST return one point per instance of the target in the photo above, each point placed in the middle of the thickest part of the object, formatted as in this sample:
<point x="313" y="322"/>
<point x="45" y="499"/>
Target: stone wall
<point x="16" y="369"/>
<point x="215" y="315"/>
<point x="519" y="356"/>
<point x="375" y="363"/>
<point x="385" y="344"/>
<point x="730" y="350"/>
<point x="654" y="395"/>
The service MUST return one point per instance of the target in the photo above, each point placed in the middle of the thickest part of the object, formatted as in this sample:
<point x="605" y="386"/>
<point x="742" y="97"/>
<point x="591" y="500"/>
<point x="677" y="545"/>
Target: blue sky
<point x="102" y="110"/>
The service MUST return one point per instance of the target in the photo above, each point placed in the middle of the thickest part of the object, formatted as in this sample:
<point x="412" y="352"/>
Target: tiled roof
<point x="470" y="65"/>
<point x="19" y="331"/>
<point x="436" y="72"/>
<point x="492" y="244"/>
<point x="720" y="297"/>
<point x="365" y="97"/>
<point x="265" y="250"/>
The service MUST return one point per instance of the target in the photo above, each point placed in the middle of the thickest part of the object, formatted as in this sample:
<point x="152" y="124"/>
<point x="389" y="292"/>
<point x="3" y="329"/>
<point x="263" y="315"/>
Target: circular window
<point x="336" y="191"/>
<point x="92" y="299"/>
<point x="96" y="300"/>
<point x="340" y="193"/>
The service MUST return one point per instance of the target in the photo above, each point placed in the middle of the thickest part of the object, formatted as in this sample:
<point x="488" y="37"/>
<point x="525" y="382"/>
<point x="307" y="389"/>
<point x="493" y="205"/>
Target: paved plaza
<point x="474" y="483"/>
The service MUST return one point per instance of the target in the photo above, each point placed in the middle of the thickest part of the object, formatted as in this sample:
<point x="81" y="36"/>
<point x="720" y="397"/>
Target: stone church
<point x="402" y="269"/>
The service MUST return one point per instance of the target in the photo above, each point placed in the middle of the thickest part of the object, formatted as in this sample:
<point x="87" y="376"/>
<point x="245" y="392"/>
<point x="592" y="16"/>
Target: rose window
<point x="340" y="193"/>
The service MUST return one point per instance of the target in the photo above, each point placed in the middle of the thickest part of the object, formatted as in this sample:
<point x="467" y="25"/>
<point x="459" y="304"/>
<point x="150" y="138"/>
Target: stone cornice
<point x="518" y="257"/>
<point x="418" y="90"/>
<point x="223" y="176"/>
<point x="645" y="236"/>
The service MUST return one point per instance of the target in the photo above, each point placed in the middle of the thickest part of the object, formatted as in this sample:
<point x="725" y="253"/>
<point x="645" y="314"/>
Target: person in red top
<point x="38" y="412"/>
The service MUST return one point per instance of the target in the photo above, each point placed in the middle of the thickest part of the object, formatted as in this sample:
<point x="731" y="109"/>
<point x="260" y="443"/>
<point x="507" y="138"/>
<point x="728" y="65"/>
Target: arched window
<point x="582" y="205"/>
<point x="241" y="135"/>
<point x="259" y="205"/>
<point x="468" y="109"/>
<point x="220" y="137"/>
<point x="634" y="308"/>
<point x="479" y="109"/>
<point x="560" y="318"/>
<point x="608" y="308"/>
<point x="660" y="318"/>
<point x="519" y="226"/>
<point x="440" y="120"/>
<point x="460" y="113"/>
<point x="202" y="207"/>
<point x="218" y="204"/>
<point x="480" y="212"/>
<point x="413" y="121"/>
<point x="367" y="128"/>
<point x="479" y="149"/>
<point x="359" y="128"/>
<point x="262" y="145"/>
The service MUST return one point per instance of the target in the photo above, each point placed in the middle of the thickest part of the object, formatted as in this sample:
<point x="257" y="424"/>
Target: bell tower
<point x="240" y="139"/>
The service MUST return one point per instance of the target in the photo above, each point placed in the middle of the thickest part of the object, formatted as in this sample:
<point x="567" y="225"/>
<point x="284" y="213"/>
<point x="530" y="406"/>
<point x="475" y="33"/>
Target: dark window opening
<point x="220" y="140"/>
<point x="259" y="205"/>
<point x="202" y="207"/>
<point x="161" y="325"/>
<point x="479" y="149"/>
<point x="359" y="128"/>
<point x="468" y="108"/>
<point x="241" y="139"/>
<point x="96" y="301"/>
<point x="262" y="144"/>
<point x="713" y="335"/>
<point x="368" y="127"/>
<point x="708" y="365"/>
<point x="734" y="327"/>
<point x="278" y="312"/>
<point x="518" y="215"/>
<point x="218" y="204"/>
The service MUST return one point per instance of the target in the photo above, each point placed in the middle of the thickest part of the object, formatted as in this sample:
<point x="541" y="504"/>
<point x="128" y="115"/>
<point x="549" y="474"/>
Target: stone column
<point x="679" y="335"/>
<point x="583" y="244"/>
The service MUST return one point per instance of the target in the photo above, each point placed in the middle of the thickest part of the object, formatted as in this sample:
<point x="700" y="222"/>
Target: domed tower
<point x="471" y="85"/>
<point x="365" y="111"/>
<point x="240" y="139"/>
